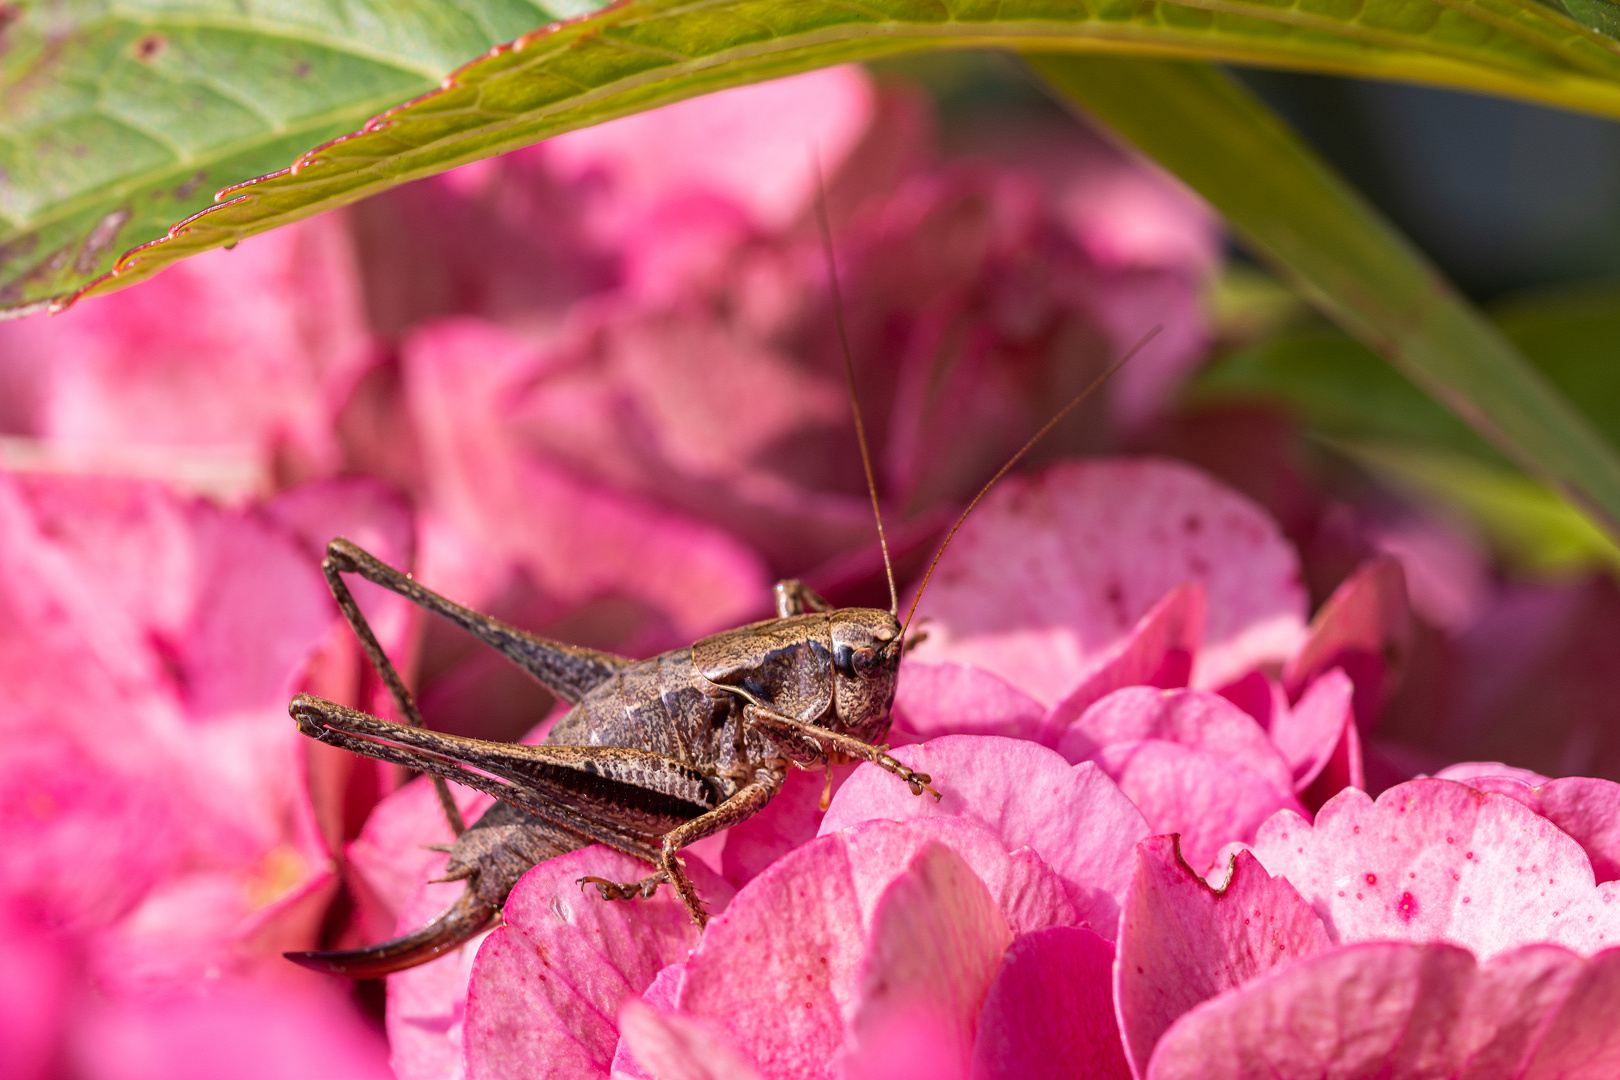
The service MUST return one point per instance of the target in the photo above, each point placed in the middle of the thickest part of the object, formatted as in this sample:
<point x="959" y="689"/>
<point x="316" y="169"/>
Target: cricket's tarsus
<point x="635" y="765"/>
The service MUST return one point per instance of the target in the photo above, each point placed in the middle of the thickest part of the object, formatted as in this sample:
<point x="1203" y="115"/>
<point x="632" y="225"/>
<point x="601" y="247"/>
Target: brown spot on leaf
<point x="100" y="239"/>
<point x="149" y="47"/>
<point x="19" y="248"/>
<point x="188" y="187"/>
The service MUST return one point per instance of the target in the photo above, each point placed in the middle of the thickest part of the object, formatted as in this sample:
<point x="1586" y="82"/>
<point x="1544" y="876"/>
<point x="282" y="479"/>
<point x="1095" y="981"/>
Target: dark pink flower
<point x="225" y="375"/>
<point x="1454" y="931"/>
<point x="161" y="841"/>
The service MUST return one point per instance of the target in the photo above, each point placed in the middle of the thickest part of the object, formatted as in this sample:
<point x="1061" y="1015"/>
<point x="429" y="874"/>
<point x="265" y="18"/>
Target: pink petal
<point x="272" y="333"/>
<point x="1308" y="733"/>
<point x="1586" y="808"/>
<point x="1055" y="569"/>
<point x="1051" y="1002"/>
<point x="1397" y="1009"/>
<point x="547" y="985"/>
<point x="1467" y="772"/>
<point x="1182" y="943"/>
<point x="1209" y="800"/>
<point x="1196" y="719"/>
<point x="1027" y="796"/>
<point x="524" y="511"/>
<point x="779" y="970"/>
<point x="788" y="821"/>
<point x="1345" y="768"/>
<point x="1364" y="628"/>
<point x="389" y="861"/>
<point x="1158" y="652"/>
<point x="756" y="145"/>
<point x="1434" y="860"/>
<point x="960" y="699"/>
<point x="240" y="1030"/>
<point x="1259" y="695"/>
<point x="222" y="607"/>
<point x="1130" y="305"/>
<point x="1448" y="572"/>
<point x="427" y="1005"/>
<point x="675" y="1046"/>
<point x="188" y="625"/>
<point x="661" y="995"/>
<point x="1582" y="1039"/>
<point x="935" y="943"/>
<point x="35" y="995"/>
<point x="261" y="607"/>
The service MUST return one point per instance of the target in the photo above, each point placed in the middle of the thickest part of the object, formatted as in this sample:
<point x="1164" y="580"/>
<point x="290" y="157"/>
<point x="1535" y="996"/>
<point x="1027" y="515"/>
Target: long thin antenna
<point x="849" y="376"/>
<point x="1048" y="426"/>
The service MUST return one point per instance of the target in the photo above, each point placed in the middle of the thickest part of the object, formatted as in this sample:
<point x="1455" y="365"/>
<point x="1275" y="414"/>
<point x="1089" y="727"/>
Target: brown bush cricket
<point x="654" y="754"/>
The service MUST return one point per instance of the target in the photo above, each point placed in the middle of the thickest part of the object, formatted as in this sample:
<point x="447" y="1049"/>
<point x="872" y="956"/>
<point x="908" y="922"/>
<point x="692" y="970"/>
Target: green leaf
<point x="118" y="119"/>
<point x="1340" y="389"/>
<point x="1347" y="398"/>
<point x="1529" y="525"/>
<point x="110" y="133"/>
<point x="1340" y="253"/>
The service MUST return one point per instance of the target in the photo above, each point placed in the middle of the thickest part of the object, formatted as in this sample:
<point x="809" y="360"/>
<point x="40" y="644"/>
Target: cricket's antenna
<point x="849" y="376"/>
<point x="1048" y="426"/>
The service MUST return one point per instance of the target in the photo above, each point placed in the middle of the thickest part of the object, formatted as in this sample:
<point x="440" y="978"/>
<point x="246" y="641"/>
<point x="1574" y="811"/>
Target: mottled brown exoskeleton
<point x="655" y="754"/>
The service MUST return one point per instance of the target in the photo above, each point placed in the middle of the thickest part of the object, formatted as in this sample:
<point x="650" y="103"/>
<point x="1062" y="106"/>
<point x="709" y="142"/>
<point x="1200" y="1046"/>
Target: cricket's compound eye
<point x="866" y="663"/>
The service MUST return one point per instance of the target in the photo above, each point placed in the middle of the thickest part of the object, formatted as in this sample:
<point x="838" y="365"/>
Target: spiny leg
<point x="567" y="670"/>
<point x="570" y="671"/>
<point x="333" y="566"/>
<point x="749" y="800"/>
<point x="782" y="725"/>
<point x="443" y="755"/>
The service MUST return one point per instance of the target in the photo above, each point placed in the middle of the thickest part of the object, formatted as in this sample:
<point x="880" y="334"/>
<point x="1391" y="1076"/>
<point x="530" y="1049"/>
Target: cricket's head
<point x="866" y="663"/>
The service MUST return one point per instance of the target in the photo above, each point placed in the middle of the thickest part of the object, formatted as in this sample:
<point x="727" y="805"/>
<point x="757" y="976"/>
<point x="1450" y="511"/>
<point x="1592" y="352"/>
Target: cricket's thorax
<point x="687" y="704"/>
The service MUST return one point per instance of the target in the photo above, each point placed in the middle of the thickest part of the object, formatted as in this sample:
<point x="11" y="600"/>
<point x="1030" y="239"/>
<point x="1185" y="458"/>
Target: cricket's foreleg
<point x="749" y="800"/>
<point x="794" y="597"/>
<point x="788" y="727"/>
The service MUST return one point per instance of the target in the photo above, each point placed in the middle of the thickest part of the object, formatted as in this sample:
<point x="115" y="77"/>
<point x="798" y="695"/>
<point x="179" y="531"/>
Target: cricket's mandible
<point x="654" y="754"/>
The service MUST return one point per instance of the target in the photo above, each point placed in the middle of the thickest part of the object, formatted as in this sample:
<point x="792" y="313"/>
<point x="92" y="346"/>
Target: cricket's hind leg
<point x="568" y="670"/>
<point x="490" y="856"/>
<point x="464" y="920"/>
<point x="341" y="555"/>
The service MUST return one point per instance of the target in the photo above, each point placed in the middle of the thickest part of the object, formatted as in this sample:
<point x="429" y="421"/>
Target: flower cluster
<point x="596" y="388"/>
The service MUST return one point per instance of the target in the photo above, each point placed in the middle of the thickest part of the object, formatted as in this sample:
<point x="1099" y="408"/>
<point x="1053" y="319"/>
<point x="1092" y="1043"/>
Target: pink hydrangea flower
<point x="1129" y="750"/>
<point x="225" y="375"/>
<point x="610" y="403"/>
<point x="162" y="845"/>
